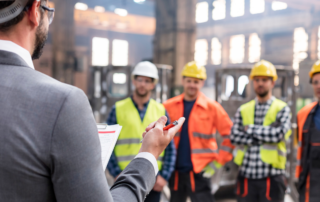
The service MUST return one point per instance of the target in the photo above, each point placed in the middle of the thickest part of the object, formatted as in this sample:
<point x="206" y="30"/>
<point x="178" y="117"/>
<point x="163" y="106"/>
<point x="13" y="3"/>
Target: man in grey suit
<point x="49" y="145"/>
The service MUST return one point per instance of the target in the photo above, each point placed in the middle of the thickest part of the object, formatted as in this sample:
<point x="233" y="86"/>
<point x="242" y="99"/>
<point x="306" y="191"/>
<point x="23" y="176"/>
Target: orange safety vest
<point x="301" y="118"/>
<point x="205" y="119"/>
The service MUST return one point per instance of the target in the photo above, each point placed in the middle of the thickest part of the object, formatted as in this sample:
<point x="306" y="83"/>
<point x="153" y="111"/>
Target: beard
<point x="41" y="38"/>
<point x="142" y="95"/>
<point x="262" y="94"/>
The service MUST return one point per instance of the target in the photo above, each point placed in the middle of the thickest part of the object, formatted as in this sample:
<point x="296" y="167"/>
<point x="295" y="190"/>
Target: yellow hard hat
<point x="264" y="68"/>
<point x="192" y="69"/>
<point x="315" y="69"/>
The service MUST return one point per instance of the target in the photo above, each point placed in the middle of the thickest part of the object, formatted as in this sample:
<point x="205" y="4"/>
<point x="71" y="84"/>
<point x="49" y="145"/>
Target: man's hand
<point x="160" y="183"/>
<point x="155" y="140"/>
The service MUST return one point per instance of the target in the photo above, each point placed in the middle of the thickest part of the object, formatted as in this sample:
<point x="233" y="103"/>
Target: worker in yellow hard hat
<point x="260" y="129"/>
<point x="198" y="157"/>
<point x="308" y="167"/>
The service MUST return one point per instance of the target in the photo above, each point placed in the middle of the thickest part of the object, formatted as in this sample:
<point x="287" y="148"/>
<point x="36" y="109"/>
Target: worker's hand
<point x="155" y="140"/>
<point x="160" y="183"/>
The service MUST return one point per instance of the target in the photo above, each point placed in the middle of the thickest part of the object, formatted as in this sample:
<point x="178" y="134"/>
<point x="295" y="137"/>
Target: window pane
<point x="300" y="47"/>
<point x="201" y="51"/>
<point x="254" y="48"/>
<point x="278" y="5"/>
<point x="237" y="46"/>
<point x="216" y="51"/>
<point x="117" y="86"/>
<point x="237" y="8"/>
<point x="100" y="51"/>
<point x="257" y="6"/>
<point x="120" y="52"/>
<point x="227" y="86"/>
<point x="219" y="10"/>
<point x="242" y="84"/>
<point x="202" y="12"/>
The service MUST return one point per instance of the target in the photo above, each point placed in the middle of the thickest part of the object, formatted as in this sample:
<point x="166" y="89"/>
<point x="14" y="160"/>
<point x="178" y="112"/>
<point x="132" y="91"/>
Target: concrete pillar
<point x="175" y="34"/>
<point x="63" y="32"/>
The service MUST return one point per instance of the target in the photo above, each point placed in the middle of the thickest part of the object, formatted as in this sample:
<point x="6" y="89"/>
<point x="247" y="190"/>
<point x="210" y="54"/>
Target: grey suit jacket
<point x="49" y="147"/>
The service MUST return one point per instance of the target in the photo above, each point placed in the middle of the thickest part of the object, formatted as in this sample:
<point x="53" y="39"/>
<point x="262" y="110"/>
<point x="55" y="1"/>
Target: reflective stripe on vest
<point x="274" y="154"/>
<point x="204" y="136"/>
<point x="128" y="144"/>
<point x="203" y="151"/>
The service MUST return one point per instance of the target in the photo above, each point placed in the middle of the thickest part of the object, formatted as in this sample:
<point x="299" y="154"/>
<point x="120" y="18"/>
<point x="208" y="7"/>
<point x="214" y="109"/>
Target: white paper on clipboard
<point x="108" y="136"/>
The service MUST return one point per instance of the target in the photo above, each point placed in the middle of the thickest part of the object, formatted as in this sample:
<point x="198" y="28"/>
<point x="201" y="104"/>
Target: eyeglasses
<point x="139" y="80"/>
<point x="46" y="8"/>
<point x="50" y="13"/>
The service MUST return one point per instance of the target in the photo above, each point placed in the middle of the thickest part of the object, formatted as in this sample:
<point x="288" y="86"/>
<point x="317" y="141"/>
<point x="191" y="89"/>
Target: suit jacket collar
<point x="11" y="59"/>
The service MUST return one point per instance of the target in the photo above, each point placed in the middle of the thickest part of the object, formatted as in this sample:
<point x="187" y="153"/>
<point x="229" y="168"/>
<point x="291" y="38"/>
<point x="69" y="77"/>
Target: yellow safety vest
<point x="273" y="154"/>
<point x="128" y="144"/>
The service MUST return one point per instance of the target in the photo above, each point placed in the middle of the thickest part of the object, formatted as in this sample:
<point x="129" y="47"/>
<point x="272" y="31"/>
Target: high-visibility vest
<point x="270" y="153"/>
<point x="128" y="144"/>
<point x="206" y="117"/>
<point x="301" y="119"/>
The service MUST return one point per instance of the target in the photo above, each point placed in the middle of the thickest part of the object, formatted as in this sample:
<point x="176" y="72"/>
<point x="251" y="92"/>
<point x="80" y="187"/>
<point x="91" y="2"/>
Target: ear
<point x="202" y="83"/>
<point x="153" y="86"/>
<point x="34" y="13"/>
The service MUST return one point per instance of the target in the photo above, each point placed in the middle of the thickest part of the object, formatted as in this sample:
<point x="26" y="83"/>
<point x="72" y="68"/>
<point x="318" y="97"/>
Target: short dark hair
<point x="313" y="76"/>
<point x="4" y="27"/>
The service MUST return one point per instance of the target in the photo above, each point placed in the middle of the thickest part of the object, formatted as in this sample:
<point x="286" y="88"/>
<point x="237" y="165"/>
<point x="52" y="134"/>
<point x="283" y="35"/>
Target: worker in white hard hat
<point x="134" y="114"/>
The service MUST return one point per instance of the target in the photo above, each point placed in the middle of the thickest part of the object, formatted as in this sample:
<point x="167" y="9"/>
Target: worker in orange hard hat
<point x="308" y="168"/>
<point x="261" y="128"/>
<point x="198" y="157"/>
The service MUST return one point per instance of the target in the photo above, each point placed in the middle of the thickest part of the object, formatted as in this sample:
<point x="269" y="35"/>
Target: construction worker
<point x="308" y="168"/>
<point x="134" y="114"/>
<point x="198" y="157"/>
<point x="260" y="129"/>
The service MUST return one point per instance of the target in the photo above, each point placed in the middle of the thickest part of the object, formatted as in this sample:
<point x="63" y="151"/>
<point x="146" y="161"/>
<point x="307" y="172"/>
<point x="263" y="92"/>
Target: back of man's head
<point x="4" y="4"/>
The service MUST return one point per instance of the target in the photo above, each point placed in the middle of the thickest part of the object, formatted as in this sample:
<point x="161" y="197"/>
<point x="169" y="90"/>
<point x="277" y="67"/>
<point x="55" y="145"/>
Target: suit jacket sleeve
<point x="76" y="167"/>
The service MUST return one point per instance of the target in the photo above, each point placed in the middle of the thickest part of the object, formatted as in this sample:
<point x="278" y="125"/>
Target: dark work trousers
<point x="309" y="183"/>
<point x="153" y="196"/>
<point x="197" y="187"/>
<point x="271" y="189"/>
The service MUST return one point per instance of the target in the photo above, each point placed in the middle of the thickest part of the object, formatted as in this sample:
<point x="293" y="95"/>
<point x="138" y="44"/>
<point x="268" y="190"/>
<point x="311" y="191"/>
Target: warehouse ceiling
<point x="302" y="4"/>
<point x="145" y="8"/>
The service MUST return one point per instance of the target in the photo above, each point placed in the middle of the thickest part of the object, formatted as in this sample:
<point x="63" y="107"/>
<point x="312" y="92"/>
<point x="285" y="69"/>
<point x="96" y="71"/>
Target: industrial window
<point x="81" y="6"/>
<point x="257" y="6"/>
<point x="219" y="10"/>
<point x="237" y="46"/>
<point x="120" y="52"/>
<point x="202" y="12"/>
<point x="242" y="84"/>
<point x="100" y="51"/>
<point x="227" y="86"/>
<point x="279" y="5"/>
<point x="319" y="43"/>
<point x="254" y="48"/>
<point x="216" y="51"/>
<point x="237" y="8"/>
<point x="300" y="47"/>
<point x="201" y="51"/>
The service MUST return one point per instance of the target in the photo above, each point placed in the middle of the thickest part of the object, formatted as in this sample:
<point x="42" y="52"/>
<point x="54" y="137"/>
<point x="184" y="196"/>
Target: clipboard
<point x="108" y="135"/>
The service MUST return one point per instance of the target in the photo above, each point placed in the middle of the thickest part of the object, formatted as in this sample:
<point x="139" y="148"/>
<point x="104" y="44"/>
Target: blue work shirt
<point x="316" y="118"/>
<point x="169" y="158"/>
<point x="184" y="163"/>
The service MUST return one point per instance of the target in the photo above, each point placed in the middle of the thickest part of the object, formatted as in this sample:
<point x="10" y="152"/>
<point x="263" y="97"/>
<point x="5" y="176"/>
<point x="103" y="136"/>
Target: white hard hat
<point x="146" y="69"/>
